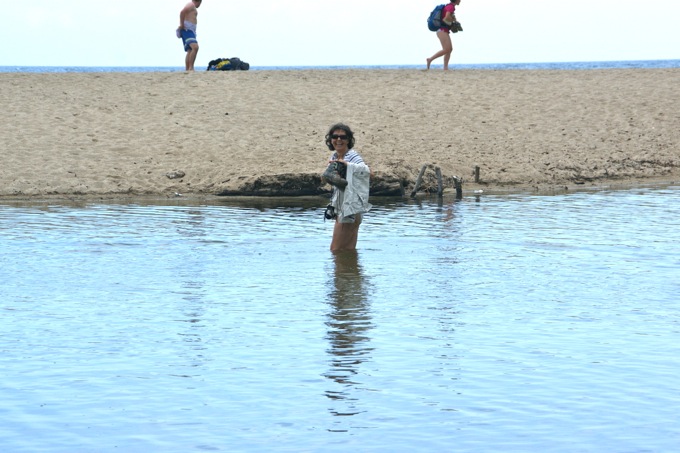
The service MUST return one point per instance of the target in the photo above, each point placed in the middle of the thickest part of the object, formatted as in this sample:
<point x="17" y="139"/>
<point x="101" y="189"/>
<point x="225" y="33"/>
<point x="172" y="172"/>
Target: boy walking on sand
<point x="188" y="19"/>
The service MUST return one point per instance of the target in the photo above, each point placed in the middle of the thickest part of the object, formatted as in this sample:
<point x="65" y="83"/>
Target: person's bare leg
<point x="447" y="48"/>
<point x="429" y="62"/>
<point x="447" y="57"/>
<point x="345" y="235"/>
<point x="191" y="57"/>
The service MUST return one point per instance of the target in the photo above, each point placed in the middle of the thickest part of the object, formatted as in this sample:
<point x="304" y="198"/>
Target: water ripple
<point x="497" y="323"/>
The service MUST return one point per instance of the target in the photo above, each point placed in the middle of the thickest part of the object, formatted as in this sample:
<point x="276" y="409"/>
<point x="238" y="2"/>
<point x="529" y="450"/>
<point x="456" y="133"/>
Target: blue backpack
<point x="434" y="22"/>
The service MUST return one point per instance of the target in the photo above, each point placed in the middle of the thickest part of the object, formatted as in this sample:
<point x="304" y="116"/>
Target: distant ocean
<point x="578" y="65"/>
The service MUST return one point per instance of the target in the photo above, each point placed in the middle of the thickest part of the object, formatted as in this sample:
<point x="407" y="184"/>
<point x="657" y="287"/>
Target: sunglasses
<point x="338" y="137"/>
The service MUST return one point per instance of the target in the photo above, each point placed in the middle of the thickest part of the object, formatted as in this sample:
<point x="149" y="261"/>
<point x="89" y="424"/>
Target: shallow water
<point x="495" y="323"/>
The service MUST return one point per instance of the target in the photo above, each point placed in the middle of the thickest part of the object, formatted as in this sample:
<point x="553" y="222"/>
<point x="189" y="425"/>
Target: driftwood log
<point x="389" y="184"/>
<point x="429" y="185"/>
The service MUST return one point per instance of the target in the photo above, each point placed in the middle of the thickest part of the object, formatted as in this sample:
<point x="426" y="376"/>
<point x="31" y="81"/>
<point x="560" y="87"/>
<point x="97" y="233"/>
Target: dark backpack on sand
<point x="228" y="64"/>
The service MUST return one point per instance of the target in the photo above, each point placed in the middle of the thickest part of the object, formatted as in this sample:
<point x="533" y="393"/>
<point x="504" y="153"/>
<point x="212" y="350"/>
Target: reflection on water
<point x="349" y="323"/>
<point x="494" y="323"/>
<point x="191" y="290"/>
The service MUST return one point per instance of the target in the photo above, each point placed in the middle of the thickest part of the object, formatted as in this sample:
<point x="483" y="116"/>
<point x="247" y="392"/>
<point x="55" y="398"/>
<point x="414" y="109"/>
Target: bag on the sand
<point x="228" y="64"/>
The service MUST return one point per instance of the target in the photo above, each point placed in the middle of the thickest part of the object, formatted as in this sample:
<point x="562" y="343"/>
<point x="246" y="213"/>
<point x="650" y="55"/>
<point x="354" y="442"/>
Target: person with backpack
<point x="448" y="18"/>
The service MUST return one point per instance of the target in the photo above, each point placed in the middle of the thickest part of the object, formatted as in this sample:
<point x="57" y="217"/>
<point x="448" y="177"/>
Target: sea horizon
<point x="572" y="65"/>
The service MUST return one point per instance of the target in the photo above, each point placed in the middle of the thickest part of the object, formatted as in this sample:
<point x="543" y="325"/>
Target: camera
<point x="330" y="212"/>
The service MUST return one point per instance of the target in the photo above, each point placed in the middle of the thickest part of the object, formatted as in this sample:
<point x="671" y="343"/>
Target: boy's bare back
<point x="190" y="13"/>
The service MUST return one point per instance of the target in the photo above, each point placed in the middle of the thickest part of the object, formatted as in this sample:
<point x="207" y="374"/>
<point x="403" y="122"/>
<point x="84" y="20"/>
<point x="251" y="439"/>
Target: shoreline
<point x="122" y="135"/>
<point x="475" y="190"/>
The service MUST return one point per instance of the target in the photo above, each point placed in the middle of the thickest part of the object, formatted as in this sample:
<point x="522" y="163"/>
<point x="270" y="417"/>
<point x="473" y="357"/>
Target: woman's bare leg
<point x="345" y="235"/>
<point x="447" y="48"/>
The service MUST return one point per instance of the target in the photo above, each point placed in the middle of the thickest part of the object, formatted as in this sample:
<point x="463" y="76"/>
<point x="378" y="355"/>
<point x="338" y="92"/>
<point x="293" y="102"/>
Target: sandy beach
<point x="262" y="132"/>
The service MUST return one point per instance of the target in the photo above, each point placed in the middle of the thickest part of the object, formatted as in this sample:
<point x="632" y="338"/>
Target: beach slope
<point x="262" y="132"/>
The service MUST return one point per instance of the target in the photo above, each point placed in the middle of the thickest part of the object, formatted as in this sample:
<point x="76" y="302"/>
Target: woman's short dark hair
<point x="343" y="127"/>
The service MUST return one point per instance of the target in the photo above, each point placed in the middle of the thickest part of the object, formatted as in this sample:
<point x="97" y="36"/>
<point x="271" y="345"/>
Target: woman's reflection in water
<point x="348" y="324"/>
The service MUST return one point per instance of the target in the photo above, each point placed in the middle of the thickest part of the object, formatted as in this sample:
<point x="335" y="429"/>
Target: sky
<point x="335" y="33"/>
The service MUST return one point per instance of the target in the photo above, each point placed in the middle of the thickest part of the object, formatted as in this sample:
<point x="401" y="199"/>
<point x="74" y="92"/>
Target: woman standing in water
<point x="350" y="190"/>
<point x="448" y="18"/>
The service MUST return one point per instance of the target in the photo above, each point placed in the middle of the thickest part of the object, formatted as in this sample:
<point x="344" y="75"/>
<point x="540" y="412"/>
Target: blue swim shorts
<point x="188" y="38"/>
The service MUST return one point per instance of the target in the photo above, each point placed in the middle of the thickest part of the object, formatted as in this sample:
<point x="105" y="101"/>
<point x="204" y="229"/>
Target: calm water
<point x="506" y="323"/>
<point x="580" y="65"/>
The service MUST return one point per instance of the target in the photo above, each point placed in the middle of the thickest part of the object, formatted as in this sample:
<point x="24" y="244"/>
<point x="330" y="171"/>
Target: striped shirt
<point x="352" y="157"/>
